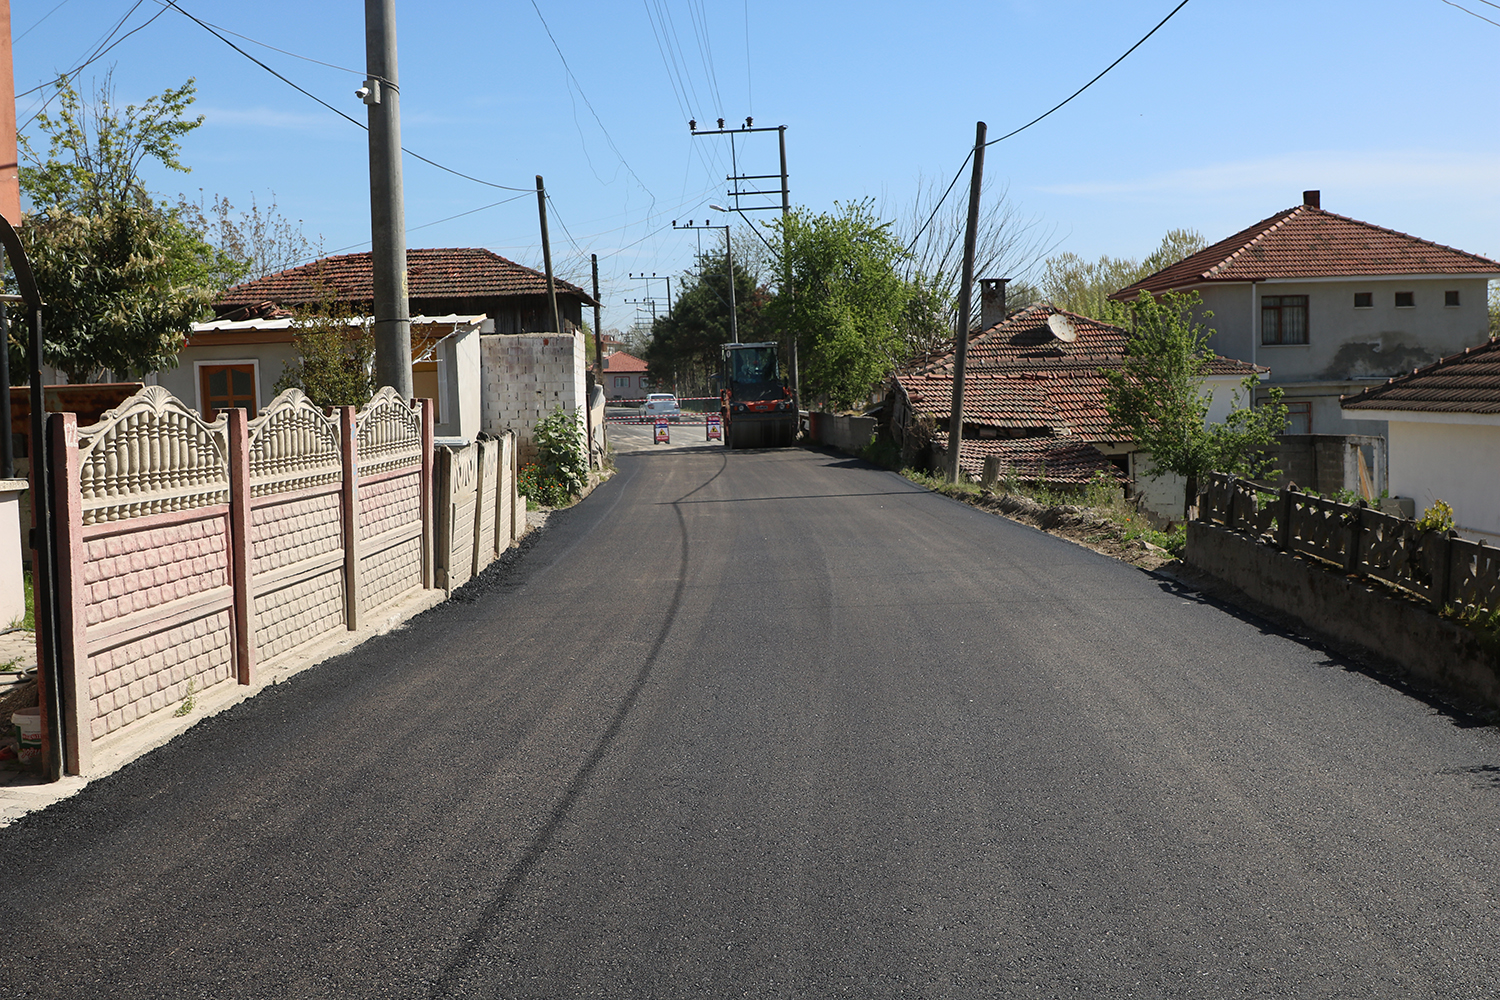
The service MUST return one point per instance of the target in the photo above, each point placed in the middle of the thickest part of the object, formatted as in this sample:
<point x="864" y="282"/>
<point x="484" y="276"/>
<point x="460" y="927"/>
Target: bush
<point x="562" y="469"/>
<point x="538" y="485"/>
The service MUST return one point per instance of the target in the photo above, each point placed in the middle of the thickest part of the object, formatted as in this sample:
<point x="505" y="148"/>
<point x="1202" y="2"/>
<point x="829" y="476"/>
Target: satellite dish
<point x="1062" y="328"/>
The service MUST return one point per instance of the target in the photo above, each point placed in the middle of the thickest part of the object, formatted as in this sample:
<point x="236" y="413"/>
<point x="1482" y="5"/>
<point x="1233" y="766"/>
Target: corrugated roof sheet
<point x="430" y="274"/>
<point x="1461" y="383"/>
<point x="1308" y="242"/>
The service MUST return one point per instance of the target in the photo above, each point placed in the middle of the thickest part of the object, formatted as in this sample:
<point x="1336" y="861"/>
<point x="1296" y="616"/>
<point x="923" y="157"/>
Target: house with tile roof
<point x="1034" y="395"/>
<point x="1331" y="305"/>
<point x="456" y="295"/>
<point x="1443" y="435"/>
<point x="625" y="377"/>
<point x="439" y="282"/>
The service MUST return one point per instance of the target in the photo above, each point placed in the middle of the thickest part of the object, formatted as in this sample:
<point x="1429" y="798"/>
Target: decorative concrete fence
<point x="1437" y="567"/>
<point x="192" y="553"/>
<point x="480" y="513"/>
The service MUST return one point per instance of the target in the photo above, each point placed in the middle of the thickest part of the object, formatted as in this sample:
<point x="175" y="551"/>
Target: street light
<point x="734" y="326"/>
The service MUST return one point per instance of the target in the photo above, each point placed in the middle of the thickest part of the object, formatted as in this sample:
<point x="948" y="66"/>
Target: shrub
<point x="562" y="468"/>
<point x="538" y="485"/>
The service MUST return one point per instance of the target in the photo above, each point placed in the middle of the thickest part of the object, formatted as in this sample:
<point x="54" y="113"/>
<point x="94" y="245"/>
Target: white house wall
<point x="1455" y="462"/>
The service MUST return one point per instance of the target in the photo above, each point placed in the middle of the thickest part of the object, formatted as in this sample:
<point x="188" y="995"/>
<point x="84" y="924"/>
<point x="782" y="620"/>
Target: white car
<point x="661" y="404"/>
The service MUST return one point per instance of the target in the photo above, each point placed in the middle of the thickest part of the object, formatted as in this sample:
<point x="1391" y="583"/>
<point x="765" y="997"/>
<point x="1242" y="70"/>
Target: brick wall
<point x="526" y="377"/>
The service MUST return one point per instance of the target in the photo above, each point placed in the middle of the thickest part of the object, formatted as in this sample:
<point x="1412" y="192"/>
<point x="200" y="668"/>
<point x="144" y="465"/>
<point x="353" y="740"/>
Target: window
<point x="1450" y="298"/>
<point x="645" y="381"/>
<point x="622" y="381"/>
<point x="223" y="386"/>
<point x="1283" y="319"/>
<point x="1298" y="418"/>
<point x="1406" y="300"/>
<point x="1364" y="300"/>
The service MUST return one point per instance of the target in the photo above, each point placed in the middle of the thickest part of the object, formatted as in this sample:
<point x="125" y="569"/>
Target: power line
<point x="98" y="54"/>
<point x="1044" y="114"/>
<point x="38" y="22"/>
<point x="589" y="104"/>
<point x="1471" y="13"/>
<point x="264" y="45"/>
<point x="1095" y="80"/>
<point x="457" y="173"/>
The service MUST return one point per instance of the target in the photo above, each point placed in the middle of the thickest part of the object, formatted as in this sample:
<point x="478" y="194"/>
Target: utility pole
<point x="648" y="278"/>
<point x="737" y="192"/>
<point x="382" y="94"/>
<point x="541" y="207"/>
<point x="598" y="337"/>
<point x="734" y="324"/>
<point x="965" y="290"/>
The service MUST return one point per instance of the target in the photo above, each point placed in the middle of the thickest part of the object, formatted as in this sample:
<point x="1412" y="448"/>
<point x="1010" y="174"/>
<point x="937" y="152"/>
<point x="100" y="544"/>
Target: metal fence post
<point x="1442" y="574"/>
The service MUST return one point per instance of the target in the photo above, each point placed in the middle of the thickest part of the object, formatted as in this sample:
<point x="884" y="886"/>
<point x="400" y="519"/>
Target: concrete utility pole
<point x="965" y="290"/>
<point x="387" y="211"/>
<point x="541" y="207"/>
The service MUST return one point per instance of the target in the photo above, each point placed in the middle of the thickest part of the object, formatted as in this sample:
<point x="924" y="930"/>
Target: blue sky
<point x="1223" y="117"/>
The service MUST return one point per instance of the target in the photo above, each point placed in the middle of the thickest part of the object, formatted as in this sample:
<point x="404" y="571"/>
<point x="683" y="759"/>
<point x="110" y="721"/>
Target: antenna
<point x="1062" y="328"/>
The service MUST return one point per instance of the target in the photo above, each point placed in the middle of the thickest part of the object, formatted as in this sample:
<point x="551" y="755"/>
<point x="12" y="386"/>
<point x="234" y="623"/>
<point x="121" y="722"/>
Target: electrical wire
<point x="1471" y="13"/>
<point x="1044" y="114"/>
<point x="589" y="104"/>
<point x="38" y="22"/>
<point x="418" y="156"/>
<point x="103" y="47"/>
<point x="264" y="45"/>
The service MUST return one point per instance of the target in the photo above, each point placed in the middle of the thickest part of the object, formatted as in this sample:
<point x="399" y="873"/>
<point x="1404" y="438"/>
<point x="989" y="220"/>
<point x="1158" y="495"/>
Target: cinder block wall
<point x="526" y="376"/>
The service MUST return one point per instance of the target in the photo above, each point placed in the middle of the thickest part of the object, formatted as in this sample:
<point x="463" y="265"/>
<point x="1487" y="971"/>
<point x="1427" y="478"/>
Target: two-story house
<point x="1331" y="305"/>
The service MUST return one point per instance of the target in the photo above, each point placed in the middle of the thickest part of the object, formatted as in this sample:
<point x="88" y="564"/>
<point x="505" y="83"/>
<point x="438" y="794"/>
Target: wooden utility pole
<point x="965" y="290"/>
<point x="598" y="337"/>
<point x="541" y="207"/>
<point x="387" y="210"/>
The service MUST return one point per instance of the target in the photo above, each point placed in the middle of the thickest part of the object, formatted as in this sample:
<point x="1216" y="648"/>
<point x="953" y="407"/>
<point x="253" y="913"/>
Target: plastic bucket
<point x="28" y="723"/>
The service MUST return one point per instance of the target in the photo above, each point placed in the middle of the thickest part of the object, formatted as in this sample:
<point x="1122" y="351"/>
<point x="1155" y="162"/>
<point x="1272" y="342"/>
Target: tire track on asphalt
<point x="510" y="887"/>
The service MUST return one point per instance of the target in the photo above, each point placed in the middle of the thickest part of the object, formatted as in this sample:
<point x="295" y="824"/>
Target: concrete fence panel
<point x="391" y="438"/>
<point x="296" y="526"/>
<point x="458" y="501"/>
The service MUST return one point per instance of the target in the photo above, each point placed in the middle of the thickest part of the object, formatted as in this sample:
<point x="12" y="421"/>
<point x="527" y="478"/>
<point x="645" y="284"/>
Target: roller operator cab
<point x="758" y="407"/>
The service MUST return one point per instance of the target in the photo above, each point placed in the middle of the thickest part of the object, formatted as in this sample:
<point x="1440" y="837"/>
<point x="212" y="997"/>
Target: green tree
<point x="124" y="276"/>
<point x="1157" y="398"/>
<point x="848" y="299"/>
<point x="1084" y="286"/>
<point x="335" y="363"/>
<point x="684" y="348"/>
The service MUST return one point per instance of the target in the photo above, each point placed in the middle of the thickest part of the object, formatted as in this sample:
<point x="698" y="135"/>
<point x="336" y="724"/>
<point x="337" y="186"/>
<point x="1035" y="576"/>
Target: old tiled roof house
<point x="1034" y="396"/>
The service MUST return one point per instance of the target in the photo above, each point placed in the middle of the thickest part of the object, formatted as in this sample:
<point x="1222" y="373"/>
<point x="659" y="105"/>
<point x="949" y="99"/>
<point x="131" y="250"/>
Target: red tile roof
<point x="1019" y="376"/>
<point x="1062" y="461"/>
<point x="1461" y="383"/>
<point x="1308" y="242"/>
<point x="621" y="362"/>
<point x="430" y="274"/>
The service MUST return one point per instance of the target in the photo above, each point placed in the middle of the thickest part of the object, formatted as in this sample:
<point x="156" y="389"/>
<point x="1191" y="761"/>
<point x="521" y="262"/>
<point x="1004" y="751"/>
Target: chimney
<point x="1311" y="199"/>
<point x="991" y="301"/>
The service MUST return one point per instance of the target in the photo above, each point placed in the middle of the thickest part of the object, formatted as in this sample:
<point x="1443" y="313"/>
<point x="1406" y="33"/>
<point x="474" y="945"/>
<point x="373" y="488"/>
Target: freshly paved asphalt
<point x="777" y="724"/>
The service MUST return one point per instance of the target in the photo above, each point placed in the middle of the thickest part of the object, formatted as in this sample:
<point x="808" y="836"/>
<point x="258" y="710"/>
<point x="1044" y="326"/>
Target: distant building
<point x="626" y="377"/>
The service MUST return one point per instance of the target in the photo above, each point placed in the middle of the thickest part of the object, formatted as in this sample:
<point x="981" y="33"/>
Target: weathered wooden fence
<point x="1437" y="567"/>
<point x="191" y="553"/>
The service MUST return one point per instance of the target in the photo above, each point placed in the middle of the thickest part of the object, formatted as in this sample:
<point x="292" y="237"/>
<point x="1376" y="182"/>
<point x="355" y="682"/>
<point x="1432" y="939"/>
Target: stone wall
<point x="1437" y="651"/>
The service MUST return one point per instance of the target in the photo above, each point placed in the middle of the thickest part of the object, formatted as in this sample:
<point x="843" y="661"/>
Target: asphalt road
<point x="777" y="724"/>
